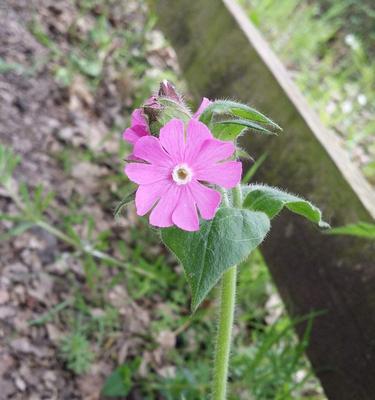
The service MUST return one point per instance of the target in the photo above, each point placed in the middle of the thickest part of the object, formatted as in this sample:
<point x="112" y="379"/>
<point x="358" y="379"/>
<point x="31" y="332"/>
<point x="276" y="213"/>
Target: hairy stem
<point x="224" y="333"/>
<point x="226" y="317"/>
<point x="237" y="196"/>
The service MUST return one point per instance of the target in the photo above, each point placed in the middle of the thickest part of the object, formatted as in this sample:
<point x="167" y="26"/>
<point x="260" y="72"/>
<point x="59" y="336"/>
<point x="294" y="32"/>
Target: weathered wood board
<point x="222" y="55"/>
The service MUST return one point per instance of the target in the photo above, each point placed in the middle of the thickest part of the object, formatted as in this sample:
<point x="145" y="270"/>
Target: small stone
<point x="20" y="384"/>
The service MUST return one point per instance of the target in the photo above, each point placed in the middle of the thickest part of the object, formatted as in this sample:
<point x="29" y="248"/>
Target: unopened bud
<point x="169" y="91"/>
<point x="152" y="109"/>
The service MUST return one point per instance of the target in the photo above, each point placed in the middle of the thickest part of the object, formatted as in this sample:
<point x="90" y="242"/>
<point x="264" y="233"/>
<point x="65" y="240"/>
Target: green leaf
<point x="119" y="383"/>
<point x="232" y="128"/>
<point x="360" y="229"/>
<point x="220" y="243"/>
<point x="271" y="201"/>
<point x="241" y="111"/>
<point x="226" y="132"/>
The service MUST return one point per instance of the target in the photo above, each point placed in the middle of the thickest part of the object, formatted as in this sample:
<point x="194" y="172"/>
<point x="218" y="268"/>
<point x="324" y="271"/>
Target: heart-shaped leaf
<point x="220" y="243"/>
<point x="271" y="201"/>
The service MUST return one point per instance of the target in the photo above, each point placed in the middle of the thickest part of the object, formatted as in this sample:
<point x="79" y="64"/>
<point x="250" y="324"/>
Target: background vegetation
<point x="328" y="48"/>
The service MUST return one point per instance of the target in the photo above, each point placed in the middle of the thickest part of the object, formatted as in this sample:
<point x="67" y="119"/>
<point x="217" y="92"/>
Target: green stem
<point x="226" y="317"/>
<point x="224" y="333"/>
<point x="225" y="197"/>
<point x="237" y="196"/>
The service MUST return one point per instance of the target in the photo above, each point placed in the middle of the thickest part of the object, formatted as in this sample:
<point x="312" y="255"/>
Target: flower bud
<point x="166" y="105"/>
<point x="152" y="109"/>
<point x="168" y="90"/>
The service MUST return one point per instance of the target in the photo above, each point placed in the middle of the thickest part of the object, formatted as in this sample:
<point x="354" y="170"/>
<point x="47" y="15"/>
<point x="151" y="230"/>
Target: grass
<point x="331" y="65"/>
<point x="264" y="336"/>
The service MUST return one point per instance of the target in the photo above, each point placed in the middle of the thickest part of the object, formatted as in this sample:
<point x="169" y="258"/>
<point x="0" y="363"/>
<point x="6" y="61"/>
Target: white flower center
<point x="182" y="174"/>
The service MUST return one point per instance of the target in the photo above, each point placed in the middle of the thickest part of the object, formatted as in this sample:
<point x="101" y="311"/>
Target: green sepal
<point x="129" y="198"/>
<point x="230" y="129"/>
<point x="172" y="109"/>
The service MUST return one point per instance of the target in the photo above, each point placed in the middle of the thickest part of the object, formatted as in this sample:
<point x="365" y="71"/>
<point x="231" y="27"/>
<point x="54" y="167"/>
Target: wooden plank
<point x="222" y="55"/>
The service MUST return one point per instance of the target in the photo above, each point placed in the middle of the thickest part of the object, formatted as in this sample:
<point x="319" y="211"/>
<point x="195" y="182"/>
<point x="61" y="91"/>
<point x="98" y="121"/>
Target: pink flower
<point x="139" y="125"/>
<point x="176" y="165"/>
<point x="138" y="128"/>
<point x="204" y="104"/>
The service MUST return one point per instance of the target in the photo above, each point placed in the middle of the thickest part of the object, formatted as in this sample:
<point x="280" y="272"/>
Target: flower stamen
<point x="182" y="174"/>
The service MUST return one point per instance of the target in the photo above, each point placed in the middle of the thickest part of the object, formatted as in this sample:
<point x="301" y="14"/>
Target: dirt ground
<point x="38" y="118"/>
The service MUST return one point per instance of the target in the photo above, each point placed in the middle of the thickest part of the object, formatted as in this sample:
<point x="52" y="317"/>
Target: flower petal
<point x="161" y="215"/>
<point x="147" y="195"/>
<point x="226" y="174"/>
<point x="172" y="139"/>
<point x="208" y="200"/>
<point x="204" y="104"/>
<point x="138" y="118"/>
<point x="146" y="173"/>
<point x="185" y="215"/>
<point x="149" y="149"/>
<point x="134" y="133"/>
<point x="212" y="151"/>
<point x="197" y="134"/>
